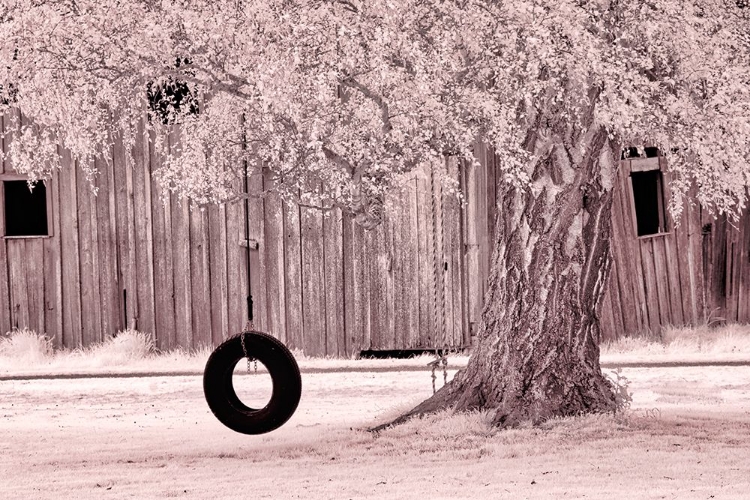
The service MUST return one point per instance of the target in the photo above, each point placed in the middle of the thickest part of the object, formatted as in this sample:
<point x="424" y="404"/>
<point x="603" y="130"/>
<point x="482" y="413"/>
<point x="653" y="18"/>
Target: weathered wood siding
<point x="135" y="256"/>
<point x="696" y="273"/>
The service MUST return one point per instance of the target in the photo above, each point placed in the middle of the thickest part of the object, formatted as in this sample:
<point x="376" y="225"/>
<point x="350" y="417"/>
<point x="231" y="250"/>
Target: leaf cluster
<point x="339" y="100"/>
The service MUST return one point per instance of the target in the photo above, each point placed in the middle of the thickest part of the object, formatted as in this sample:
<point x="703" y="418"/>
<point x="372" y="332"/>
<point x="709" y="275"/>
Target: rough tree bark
<point x="538" y="355"/>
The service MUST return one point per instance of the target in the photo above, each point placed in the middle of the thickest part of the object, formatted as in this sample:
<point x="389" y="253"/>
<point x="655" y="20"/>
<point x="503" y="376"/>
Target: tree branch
<point x="339" y="160"/>
<point x="352" y="83"/>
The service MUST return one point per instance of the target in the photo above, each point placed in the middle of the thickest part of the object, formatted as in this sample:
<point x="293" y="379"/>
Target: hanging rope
<point x="249" y="326"/>
<point x="438" y="323"/>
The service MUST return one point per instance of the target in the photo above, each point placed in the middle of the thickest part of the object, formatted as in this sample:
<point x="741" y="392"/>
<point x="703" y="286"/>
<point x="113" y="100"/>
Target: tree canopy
<point x="340" y="98"/>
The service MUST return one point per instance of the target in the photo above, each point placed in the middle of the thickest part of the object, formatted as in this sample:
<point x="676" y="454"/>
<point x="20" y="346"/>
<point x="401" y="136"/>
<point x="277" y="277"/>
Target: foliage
<point x="621" y="389"/>
<point x="339" y="99"/>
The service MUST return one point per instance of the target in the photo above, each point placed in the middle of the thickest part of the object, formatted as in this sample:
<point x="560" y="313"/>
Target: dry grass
<point x="25" y="347"/>
<point x="132" y="351"/>
<point x="722" y="342"/>
<point x="155" y="438"/>
<point x="25" y="352"/>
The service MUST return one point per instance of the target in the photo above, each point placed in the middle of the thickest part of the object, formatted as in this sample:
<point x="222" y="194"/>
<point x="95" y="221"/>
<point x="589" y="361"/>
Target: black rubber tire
<point x="222" y="398"/>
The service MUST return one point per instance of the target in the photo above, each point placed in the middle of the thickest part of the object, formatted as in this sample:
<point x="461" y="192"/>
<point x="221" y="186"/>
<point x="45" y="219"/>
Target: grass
<point x="25" y="352"/>
<point x="155" y="438"/>
<point x="727" y="342"/>
<point x="132" y="351"/>
<point x="687" y="434"/>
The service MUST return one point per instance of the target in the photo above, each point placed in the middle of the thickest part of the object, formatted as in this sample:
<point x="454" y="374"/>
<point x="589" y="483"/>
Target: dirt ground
<point x="687" y="436"/>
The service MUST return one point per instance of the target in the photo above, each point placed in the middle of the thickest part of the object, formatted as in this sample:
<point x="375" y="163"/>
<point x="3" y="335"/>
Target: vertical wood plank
<point x="681" y="262"/>
<point x="357" y="303"/>
<point x="274" y="259"/>
<point x="217" y="231"/>
<point x="19" y="299"/>
<point x="293" y="289"/>
<point x="256" y="223"/>
<point x="313" y="284"/>
<point x="200" y="287"/>
<point x="743" y="312"/>
<point x="666" y="315"/>
<point x="454" y="258"/>
<point x="107" y="249"/>
<point x="143" y="233"/>
<point x="181" y="258"/>
<point x="425" y="231"/>
<point x="401" y="302"/>
<point x="409" y="248"/>
<point x="236" y="267"/>
<point x="696" y="259"/>
<point x="475" y="280"/>
<point x="649" y="279"/>
<point x="376" y="269"/>
<point x="5" y="302"/>
<point x="715" y="259"/>
<point x="95" y="334"/>
<point x="161" y="218"/>
<point x="672" y="253"/>
<point x="734" y="256"/>
<point x="34" y="257"/>
<point x="388" y="338"/>
<point x="53" y="315"/>
<point x="125" y="234"/>
<point x="672" y="261"/>
<point x="333" y="249"/>
<point x="485" y="213"/>
<point x="89" y="262"/>
<point x="480" y="229"/>
<point x="492" y="179"/>
<point x="348" y="262"/>
<point x="181" y="277"/>
<point x="71" y="281"/>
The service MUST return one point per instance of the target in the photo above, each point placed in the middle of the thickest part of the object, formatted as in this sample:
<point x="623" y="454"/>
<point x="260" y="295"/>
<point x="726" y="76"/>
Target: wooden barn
<point x="79" y="266"/>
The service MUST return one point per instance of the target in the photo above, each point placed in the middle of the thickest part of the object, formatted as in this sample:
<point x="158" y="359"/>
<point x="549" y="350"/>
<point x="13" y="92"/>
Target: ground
<point x="687" y="436"/>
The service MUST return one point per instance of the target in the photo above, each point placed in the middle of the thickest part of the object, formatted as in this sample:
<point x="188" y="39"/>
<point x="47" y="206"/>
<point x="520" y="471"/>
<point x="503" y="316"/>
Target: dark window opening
<point x="649" y="202"/>
<point x="25" y="210"/>
<point x="171" y="98"/>
<point x="632" y="152"/>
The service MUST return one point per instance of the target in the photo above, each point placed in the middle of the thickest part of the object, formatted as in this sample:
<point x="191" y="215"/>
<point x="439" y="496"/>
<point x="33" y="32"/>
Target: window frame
<point x="643" y="164"/>
<point x="4" y="177"/>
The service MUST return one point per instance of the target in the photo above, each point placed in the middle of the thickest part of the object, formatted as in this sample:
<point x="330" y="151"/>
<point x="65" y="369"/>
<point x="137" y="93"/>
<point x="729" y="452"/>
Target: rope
<point x="442" y="290"/>
<point x="249" y="325"/>
<point x="433" y="244"/>
<point x="440" y="360"/>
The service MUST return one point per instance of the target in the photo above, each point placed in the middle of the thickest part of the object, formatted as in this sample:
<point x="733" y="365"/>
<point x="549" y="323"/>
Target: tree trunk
<point x="538" y="355"/>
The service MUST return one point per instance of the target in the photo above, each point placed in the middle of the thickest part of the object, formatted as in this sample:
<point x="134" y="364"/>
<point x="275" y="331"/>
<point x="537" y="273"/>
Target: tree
<point x="339" y="98"/>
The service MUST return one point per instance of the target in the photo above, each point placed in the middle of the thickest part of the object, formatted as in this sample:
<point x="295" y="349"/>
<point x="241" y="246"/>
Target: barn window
<point x="644" y="167"/>
<point x="25" y="210"/>
<point x="649" y="202"/>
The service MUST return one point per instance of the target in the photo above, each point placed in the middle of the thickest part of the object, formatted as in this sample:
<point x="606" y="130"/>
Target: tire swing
<point x="219" y="389"/>
<point x="255" y="346"/>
